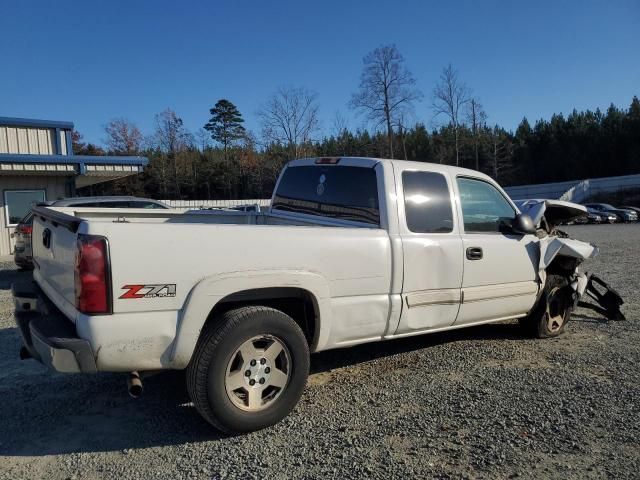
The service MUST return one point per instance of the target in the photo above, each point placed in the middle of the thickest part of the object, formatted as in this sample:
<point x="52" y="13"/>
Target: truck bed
<point x="350" y="267"/>
<point x="208" y="217"/>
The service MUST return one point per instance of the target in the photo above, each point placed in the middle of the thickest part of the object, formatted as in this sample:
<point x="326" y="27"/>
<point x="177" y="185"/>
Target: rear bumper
<point x="48" y="335"/>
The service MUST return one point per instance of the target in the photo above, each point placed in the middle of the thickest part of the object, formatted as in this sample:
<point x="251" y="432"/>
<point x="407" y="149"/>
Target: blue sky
<point x="88" y="62"/>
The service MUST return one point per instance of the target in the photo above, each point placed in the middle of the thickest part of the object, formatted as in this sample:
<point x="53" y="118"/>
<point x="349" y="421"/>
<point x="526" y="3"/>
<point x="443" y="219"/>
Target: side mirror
<point x="523" y="224"/>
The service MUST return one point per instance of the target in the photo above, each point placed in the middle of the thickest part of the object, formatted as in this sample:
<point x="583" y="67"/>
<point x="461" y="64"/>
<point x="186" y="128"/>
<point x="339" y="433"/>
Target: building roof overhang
<point x="35" y="123"/>
<point x="86" y="169"/>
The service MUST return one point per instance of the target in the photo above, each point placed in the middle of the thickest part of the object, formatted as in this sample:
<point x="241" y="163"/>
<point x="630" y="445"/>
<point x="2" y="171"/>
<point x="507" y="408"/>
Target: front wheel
<point x="551" y="314"/>
<point x="249" y="369"/>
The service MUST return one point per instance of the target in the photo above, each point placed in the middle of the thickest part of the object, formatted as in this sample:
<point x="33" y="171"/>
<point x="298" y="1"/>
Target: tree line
<point x="225" y="160"/>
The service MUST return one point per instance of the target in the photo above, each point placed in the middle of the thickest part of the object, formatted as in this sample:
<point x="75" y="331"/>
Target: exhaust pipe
<point x="134" y="385"/>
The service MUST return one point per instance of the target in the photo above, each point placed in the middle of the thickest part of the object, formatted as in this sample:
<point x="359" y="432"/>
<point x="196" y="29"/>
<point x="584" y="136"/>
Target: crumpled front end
<point x="559" y="253"/>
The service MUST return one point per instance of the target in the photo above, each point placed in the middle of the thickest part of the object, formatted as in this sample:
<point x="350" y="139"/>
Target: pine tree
<point x="225" y="124"/>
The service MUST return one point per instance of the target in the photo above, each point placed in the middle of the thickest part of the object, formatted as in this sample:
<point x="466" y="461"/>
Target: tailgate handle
<point x="46" y="238"/>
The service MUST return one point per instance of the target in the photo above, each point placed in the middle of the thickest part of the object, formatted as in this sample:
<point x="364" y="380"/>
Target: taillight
<point x="93" y="294"/>
<point x="25" y="229"/>
<point x="327" y="160"/>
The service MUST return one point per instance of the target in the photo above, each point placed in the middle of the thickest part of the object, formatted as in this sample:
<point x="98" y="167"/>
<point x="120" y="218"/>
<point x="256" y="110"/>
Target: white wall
<point x="575" y="190"/>
<point x="28" y="140"/>
<point x="194" y="204"/>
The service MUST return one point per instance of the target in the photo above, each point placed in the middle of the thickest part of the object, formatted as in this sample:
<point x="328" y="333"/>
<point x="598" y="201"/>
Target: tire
<point x="217" y="375"/>
<point x="551" y="314"/>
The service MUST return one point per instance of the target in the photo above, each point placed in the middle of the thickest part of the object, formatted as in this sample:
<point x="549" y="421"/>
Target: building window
<point x="17" y="203"/>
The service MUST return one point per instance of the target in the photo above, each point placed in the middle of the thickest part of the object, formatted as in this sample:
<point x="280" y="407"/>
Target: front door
<point x="500" y="267"/>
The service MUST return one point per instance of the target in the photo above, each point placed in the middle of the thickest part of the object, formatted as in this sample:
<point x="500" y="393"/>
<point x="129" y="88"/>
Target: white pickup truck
<point x="351" y="250"/>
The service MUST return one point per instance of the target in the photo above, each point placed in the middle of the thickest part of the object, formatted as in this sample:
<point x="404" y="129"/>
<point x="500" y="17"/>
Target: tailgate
<point x="54" y="254"/>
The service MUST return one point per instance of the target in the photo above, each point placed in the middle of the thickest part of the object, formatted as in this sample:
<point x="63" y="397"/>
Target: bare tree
<point x="123" y="137"/>
<point x="203" y="139"/>
<point x="171" y="138"/>
<point x="290" y="118"/>
<point x="340" y="131"/>
<point x="449" y="98"/>
<point x="339" y="124"/>
<point x="477" y="118"/>
<point x="387" y="89"/>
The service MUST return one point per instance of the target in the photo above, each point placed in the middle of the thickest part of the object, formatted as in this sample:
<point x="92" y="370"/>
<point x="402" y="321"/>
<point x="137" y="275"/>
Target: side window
<point x="427" y="202"/>
<point x="484" y="208"/>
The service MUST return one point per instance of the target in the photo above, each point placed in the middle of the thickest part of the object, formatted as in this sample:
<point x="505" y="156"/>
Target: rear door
<point x="432" y="250"/>
<point x="500" y="267"/>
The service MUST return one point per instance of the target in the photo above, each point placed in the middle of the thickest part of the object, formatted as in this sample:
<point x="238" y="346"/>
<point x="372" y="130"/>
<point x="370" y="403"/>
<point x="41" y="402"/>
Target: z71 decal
<point x="149" y="291"/>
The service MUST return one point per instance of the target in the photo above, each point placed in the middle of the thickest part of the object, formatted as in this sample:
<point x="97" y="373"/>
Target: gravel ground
<point x="476" y="403"/>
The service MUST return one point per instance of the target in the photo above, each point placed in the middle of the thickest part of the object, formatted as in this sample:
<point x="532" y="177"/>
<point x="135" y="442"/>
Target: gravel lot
<point x="475" y="403"/>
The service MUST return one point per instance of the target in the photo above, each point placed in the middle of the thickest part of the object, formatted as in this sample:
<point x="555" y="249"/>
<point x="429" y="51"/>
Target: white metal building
<point x="37" y="164"/>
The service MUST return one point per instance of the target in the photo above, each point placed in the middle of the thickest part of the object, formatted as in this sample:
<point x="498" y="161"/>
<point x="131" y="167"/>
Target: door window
<point x="427" y="202"/>
<point x="484" y="208"/>
<point x="19" y="202"/>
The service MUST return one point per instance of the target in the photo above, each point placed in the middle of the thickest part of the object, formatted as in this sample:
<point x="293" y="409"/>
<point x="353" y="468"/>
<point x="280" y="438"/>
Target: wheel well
<point x="298" y="303"/>
<point x="563" y="265"/>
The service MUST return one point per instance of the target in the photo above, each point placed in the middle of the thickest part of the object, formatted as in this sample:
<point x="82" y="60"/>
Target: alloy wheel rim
<point x="556" y="309"/>
<point x="258" y="372"/>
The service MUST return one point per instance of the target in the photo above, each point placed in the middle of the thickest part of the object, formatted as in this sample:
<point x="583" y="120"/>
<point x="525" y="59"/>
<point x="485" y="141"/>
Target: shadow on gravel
<point x="52" y="414"/>
<point x="580" y="317"/>
<point x="8" y="276"/>
<point x="44" y="413"/>
<point x="328" y="360"/>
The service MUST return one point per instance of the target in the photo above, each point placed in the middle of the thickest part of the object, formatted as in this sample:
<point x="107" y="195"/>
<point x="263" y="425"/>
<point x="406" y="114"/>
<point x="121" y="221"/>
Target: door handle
<point x="474" y="253"/>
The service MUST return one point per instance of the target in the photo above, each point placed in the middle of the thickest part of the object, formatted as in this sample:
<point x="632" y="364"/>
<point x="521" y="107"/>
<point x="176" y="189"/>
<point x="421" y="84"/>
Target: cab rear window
<point x="342" y="192"/>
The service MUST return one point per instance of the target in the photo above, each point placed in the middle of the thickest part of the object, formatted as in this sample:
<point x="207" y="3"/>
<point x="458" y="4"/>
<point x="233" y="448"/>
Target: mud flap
<point x="608" y="300"/>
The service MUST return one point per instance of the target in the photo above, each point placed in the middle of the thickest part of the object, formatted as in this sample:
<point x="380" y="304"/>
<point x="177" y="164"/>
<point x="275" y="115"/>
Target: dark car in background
<point x="596" y="216"/>
<point x="623" y="214"/>
<point x="22" y="253"/>
<point x="635" y="209"/>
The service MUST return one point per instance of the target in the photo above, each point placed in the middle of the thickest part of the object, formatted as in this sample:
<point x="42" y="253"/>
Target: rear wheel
<point x="551" y="314"/>
<point x="249" y="369"/>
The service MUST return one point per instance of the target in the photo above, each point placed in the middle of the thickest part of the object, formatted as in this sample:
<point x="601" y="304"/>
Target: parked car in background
<point x="596" y="216"/>
<point x="635" y="209"/>
<point x="624" y="214"/>
<point x="22" y="254"/>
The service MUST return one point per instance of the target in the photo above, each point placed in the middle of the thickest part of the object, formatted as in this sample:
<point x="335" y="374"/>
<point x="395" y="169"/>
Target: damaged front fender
<point x="555" y="246"/>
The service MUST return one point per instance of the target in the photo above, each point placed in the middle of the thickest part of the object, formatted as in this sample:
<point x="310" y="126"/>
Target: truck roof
<point x="404" y="164"/>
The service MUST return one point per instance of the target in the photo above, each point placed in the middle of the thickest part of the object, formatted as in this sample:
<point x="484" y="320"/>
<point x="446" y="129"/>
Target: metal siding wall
<point x="63" y="142"/>
<point x="27" y="140"/>
<point x="4" y="143"/>
<point x="54" y="186"/>
<point x="196" y="204"/>
<point x="32" y="138"/>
